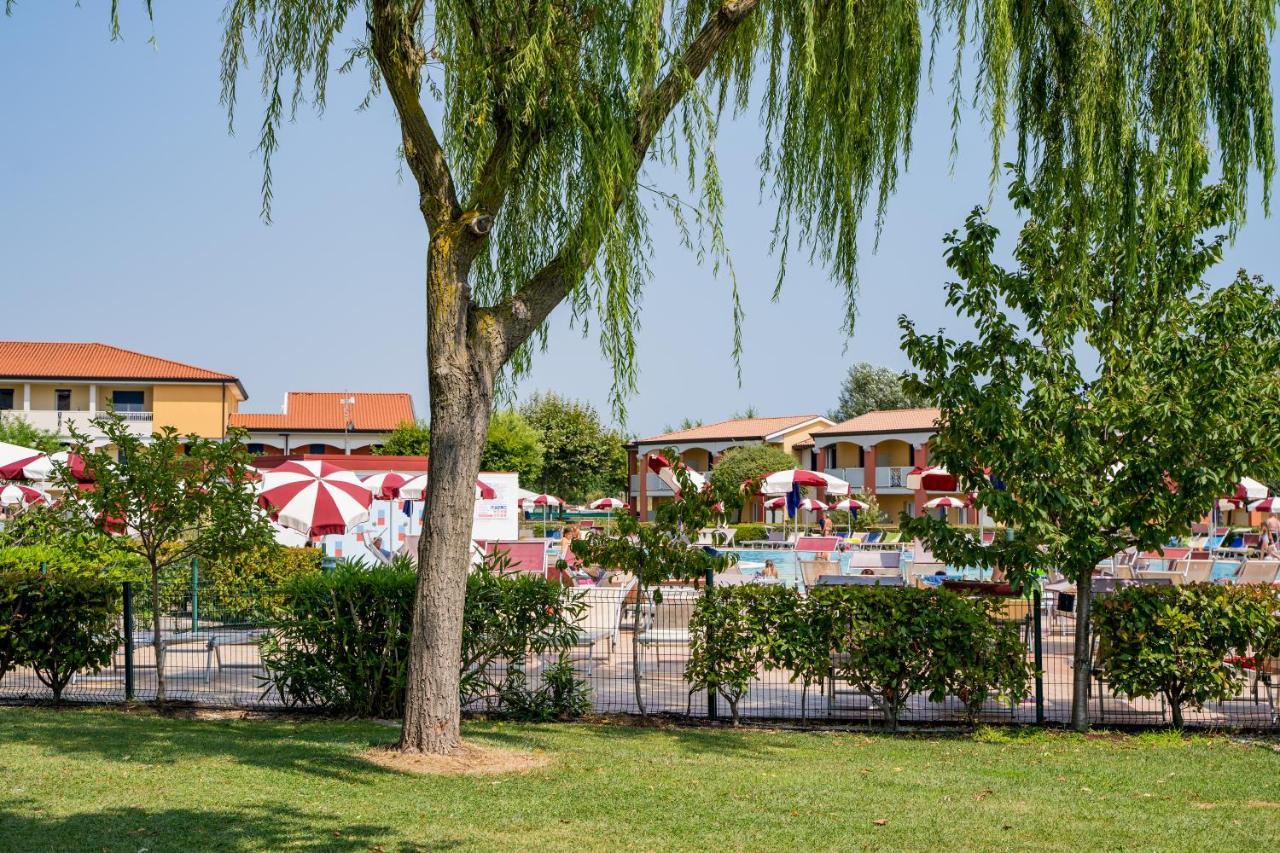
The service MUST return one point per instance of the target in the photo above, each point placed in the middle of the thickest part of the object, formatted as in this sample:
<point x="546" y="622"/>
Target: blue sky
<point x="130" y="216"/>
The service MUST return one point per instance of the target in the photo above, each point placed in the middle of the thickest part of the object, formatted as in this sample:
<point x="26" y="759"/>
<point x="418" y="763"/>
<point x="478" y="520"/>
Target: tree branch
<point x="400" y="59"/>
<point x="525" y="310"/>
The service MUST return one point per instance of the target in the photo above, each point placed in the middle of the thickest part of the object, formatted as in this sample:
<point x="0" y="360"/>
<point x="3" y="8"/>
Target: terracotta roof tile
<point x="734" y="428"/>
<point x="54" y="360"/>
<point x="891" y="420"/>
<point x="322" y="412"/>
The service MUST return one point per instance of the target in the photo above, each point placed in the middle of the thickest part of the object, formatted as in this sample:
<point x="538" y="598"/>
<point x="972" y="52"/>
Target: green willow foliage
<point x="553" y="108"/>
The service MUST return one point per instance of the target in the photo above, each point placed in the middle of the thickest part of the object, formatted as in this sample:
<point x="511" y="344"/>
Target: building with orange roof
<point x="57" y="385"/>
<point x="702" y="446"/>
<point x="876" y="451"/>
<point x="326" y="422"/>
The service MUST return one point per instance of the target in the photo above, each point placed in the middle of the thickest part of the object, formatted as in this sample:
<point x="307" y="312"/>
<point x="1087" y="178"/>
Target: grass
<point x="106" y="780"/>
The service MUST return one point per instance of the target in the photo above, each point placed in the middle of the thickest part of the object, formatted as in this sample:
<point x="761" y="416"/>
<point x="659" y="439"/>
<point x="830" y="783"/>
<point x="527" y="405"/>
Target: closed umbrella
<point x="315" y="498"/>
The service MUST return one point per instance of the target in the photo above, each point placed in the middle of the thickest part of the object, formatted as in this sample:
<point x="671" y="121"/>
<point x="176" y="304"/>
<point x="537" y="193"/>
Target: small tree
<point x="656" y="552"/>
<point x="407" y="439"/>
<point x="578" y="450"/>
<point x="741" y="465"/>
<point x="870" y="388"/>
<point x="1120" y="404"/>
<point x="15" y="429"/>
<point x="512" y="445"/>
<point x="168" y="499"/>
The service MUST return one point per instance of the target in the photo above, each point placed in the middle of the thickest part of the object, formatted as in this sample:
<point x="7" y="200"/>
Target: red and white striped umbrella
<point x="316" y="498"/>
<point x="932" y="478"/>
<point x="385" y="485"/>
<point x="12" y="494"/>
<point x="14" y="458"/>
<point x="813" y="505"/>
<point x="610" y="504"/>
<point x="416" y="489"/>
<point x="540" y="500"/>
<point x="659" y="465"/>
<point x="850" y="505"/>
<point x="1271" y="504"/>
<point x="42" y="468"/>
<point x="779" y="502"/>
<point x="781" y="482"/>
<point x="948" y="502"/>
<point x="1246" y="491"/>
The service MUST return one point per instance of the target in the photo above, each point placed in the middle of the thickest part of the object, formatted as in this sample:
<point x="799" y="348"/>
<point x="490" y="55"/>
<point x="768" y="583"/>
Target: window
<point x="127" y="401"/>
<point x="256" y="449"/>
<point x="315" y="448"/>
<point x="6" y="399"/>
<point x="62" y="399"/>
<point x="831" y="456"/>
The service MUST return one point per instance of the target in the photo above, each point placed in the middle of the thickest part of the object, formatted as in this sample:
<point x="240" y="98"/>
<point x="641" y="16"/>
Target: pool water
<point x="788" y="564"/>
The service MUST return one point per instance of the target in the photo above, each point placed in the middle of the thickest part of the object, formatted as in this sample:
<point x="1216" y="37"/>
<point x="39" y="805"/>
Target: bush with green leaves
<point x="986" y="658"/>
<point x="726" y="643"/>
<point x="343" y="643"/>
<point x="57" y="622"/>
<point x="1177" y="641"/>
<point x="749" y="532"/>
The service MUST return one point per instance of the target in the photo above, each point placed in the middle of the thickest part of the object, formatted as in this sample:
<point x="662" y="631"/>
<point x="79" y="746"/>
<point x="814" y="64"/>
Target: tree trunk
<point x="1082" y="654"/>
<point x="461" y="386"/>
<point x="157" y="642"/>
<point x="1174" y="699"/>
<point x="635" y="649"/>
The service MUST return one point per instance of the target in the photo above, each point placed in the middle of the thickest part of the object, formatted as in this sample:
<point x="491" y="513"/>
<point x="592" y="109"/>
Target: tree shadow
<point x="321" y="749"/>
<point x="258" y="828"/>
<point x="694" y="739"/>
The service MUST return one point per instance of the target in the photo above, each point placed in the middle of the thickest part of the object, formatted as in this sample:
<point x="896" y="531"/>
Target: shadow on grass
<point x="195" y="828"/>
<point x="740" y="743"/>
<point x="323" y="749"/>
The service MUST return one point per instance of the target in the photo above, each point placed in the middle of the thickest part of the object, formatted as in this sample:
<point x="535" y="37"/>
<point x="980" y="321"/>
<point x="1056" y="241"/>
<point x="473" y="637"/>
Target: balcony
<point x="855" y="477"/>
<point x="60" y="423"/>
<point x="892" y="477"/>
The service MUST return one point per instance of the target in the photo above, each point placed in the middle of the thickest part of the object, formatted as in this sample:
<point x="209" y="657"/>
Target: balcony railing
<point x="60" y="422"/>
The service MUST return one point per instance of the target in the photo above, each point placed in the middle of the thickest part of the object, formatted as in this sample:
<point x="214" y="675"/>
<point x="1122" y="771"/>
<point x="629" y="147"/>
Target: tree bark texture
<point x="461" y="374"/>
<point x="1082" y="654"/>
<point x="157" y="641"/>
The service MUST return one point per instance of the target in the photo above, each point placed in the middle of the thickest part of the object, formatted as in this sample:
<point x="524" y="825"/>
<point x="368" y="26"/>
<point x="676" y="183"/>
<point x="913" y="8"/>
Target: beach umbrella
<point x="42" y="467"/>
<point x="813" y="505"/>
<point x="14" y="459"/>
<point x="610" y="504"/>
<point x="659" y="465"/>
<point x="544" y="501"/>
<point x="416" y="489"/>
<point x="781" y="482"/>
<point x="12" y="493"/>
<point x="948" y="502"/>
<point x="1271" y="504"/>
<point x="931" y="478"/>
<point x="315" y="498"/>
<point x="385" y="485"/>
<point x="850" y="505"/>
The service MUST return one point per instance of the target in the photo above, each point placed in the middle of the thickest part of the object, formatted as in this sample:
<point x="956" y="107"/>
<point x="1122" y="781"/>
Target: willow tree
<point x="528" y="128"/>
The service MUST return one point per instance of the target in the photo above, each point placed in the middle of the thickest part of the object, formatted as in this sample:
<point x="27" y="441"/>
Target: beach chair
<point x="1196" y="571"/>
<point x="668" y="621"/>
<point x="1257" y="572"/>
<point x="873" y="537"/>
<point x="524" y="555"/>
<point x="812" y="570"/>
<point x="819" y="544"/>
<point x="600" y="621"/>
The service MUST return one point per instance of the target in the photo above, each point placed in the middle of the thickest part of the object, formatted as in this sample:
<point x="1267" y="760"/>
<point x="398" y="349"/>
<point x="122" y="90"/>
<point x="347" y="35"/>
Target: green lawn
<point x="104" y="780"/>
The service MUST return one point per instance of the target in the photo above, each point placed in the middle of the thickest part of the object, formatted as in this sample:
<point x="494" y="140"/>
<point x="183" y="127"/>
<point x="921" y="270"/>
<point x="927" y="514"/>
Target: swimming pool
<point x="788" y="564"/>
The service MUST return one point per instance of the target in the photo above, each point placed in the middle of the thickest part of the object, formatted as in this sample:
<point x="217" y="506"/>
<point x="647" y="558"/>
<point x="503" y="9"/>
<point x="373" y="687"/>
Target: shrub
<point x="727" y="638"/>
<point x="250" y="585"/>
<point x="58" y="623"/>
<point x="986" y="657"/>
<point x="749" y="532"/>
<point x="344" y="642"/>
<point x="1175" y="641"/>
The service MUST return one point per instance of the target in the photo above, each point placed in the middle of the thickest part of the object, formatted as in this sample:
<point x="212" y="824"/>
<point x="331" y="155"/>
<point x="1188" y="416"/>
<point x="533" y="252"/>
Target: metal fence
<point x="630" y="651"/>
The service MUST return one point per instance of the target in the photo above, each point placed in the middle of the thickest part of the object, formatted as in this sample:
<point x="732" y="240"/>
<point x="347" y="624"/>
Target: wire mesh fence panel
<point x="630" y="653"/>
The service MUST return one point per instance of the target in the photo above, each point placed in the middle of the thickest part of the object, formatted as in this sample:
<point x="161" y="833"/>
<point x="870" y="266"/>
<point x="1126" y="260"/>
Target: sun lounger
<point x="819" y="544"/>
<point x="600" y="620"/>
<point x="1258" y="572"/>
<point x="524" y="555"/>
<point x="860" y="580"/>
<point x="812" y="570"/>
<point x="1197" y="571"/>
<point x="668" y="620"/>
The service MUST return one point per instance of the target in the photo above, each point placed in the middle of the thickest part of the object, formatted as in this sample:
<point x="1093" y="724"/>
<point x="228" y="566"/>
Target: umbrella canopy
<point x="541" y="500"/>
<point x="1271" y="504"/>
<point x="850" y="505"/>
<point x="42" y="467"/>
<point x="781" y="482"/>
<point x="12" y="494"/>
<point x="1246" y="491"/>
<point x="948" y="502"/>
<point x="415" y="489"/>
<point x="779" y="502"/>
<point x="610" y="503"/>
<point x="315" y="498"/>
<point x="659" y="465"/>
<point x="931" y="478"/>
<point x="14" y="458"/>
<point x="385" y="485"/>
<point x="813" y="505"/>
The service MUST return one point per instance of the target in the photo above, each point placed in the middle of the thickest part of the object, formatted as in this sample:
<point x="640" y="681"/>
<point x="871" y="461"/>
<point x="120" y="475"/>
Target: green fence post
<point x="195" y="594"/>
<point x="711" y="691"/>
<point x="1039" y="656"/>
<point x="128" y="641"/>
